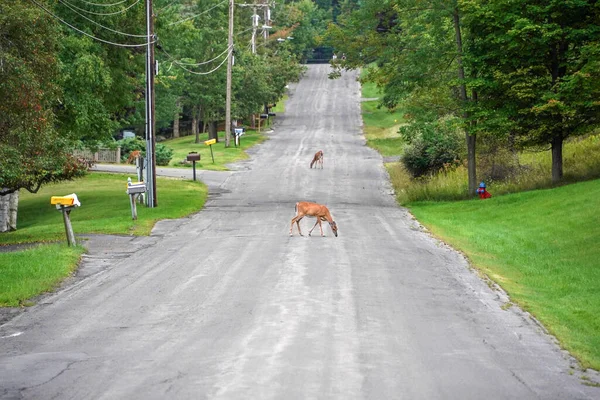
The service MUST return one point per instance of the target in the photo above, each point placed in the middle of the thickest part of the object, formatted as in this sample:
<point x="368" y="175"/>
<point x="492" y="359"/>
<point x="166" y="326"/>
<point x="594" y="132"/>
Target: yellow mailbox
<point x="65" y="204"/>
<point x="65" y="201"/>
<point x="209" y="143"/>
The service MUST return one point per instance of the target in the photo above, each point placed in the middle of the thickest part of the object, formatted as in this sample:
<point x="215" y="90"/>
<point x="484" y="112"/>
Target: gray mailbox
<point x="135" y="190"/>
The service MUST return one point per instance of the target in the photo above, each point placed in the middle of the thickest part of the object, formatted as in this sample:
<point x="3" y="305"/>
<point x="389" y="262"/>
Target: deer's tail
<point x="296" y="208"/>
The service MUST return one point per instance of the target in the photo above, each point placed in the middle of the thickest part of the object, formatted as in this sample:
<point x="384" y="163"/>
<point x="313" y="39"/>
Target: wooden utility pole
<point x="150" y="119"/>
<point x="229" y="67"/>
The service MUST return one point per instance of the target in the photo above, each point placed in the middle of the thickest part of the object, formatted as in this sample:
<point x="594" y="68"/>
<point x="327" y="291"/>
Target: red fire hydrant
<point x="482" y="191"/>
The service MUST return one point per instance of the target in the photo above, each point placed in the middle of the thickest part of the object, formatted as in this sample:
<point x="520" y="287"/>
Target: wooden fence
<point x="101" y="156"/>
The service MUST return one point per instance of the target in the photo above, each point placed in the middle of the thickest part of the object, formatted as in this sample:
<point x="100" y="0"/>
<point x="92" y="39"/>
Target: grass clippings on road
<point x="542" y="248"/>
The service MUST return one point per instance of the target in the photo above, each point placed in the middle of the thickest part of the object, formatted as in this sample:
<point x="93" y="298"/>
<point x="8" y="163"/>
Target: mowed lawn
<point x="380" y="125"/>
<point x="104" y="208"/>
<point x="222" y="155"/>
<point x="542" y="247"/>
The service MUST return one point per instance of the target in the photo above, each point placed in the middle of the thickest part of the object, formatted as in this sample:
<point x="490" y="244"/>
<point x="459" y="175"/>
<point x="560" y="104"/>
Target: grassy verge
<point x="26" y="274"/>
<point x="222" y="155"/>
<point x="380" y="125"/>
<point x="541" y="247"/>
<point x="104" y="208"/>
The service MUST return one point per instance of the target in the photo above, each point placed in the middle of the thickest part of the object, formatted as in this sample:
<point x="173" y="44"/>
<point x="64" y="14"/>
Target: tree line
<point x="506" y="75"/>
<point x="72" y="73"/>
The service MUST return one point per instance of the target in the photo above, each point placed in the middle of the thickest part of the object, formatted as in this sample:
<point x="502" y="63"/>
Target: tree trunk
<point x="557" y="159"/>
<point x="8" y="211"/>
<point x="470" y="138"/>
<point x="195" y="127"/>
<point x="176" y="119"/>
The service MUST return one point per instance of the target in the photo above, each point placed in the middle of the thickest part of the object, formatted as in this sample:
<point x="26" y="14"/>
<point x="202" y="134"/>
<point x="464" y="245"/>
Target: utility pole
<point x="150" y="119"/>
<point x="229" y="67"/>
<point x="267" y="19"/>
<point x="255" y="19"/>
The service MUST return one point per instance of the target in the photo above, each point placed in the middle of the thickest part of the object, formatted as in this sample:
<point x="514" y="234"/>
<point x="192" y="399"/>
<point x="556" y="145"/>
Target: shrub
<point x="164" y="154"/>
<point x="432" y="147"/>
<point x="131" y="144"/>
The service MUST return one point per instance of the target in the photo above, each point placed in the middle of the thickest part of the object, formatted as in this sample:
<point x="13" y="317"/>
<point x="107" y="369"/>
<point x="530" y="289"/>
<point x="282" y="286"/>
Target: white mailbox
<point x="135" y="188"/>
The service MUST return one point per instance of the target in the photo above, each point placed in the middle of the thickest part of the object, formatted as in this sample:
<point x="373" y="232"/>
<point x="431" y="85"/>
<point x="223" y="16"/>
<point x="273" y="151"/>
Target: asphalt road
<point x="226" y="305"/>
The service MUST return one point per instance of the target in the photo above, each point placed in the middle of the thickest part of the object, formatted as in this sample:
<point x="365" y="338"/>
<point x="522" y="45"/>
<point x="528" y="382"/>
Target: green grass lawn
<point x="542" y="248"/>
<point x="380" y="125"/>
<point x="222" y="155"/>
<point x="26" y="274"/>
<point x="104" y="209"/>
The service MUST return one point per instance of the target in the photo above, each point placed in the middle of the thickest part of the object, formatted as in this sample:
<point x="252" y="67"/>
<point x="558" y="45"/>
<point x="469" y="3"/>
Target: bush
<point x="131" y="144"/>
<point x="432" y="147"/>
<point x="164" y="154"/>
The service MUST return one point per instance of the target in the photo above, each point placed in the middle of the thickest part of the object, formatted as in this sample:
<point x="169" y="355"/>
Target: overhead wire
<point x="197" y="15"/>
<point x="204" y="62"/>
<point x="87" y="34"/>
<point x="98" y="24"/>
<point x="103" y="14"/>
<point x="194" y="72"/>
<point x="103" y="4"/>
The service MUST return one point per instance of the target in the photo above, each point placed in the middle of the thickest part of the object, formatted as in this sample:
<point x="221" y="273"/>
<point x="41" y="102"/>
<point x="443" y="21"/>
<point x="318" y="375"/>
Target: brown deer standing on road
<point x="318" y="159"/>
<point x="304" y="208"/>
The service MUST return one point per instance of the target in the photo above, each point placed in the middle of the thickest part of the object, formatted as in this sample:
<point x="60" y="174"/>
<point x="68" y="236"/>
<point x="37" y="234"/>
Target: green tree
<point x="32" y="153"/>
<point x="412" y="49"/>
<point x="538" y="65"/>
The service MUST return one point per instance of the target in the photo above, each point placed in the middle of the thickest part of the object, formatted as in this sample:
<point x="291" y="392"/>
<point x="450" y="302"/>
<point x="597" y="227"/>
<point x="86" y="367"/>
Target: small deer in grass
<point x="304" y="208"/>
<point x="318" y="159"/>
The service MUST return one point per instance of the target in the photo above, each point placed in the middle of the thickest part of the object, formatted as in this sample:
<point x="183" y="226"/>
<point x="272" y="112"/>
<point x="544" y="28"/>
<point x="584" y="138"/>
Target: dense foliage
<point x="32" y="152"/>
<point x="517" y="74"/>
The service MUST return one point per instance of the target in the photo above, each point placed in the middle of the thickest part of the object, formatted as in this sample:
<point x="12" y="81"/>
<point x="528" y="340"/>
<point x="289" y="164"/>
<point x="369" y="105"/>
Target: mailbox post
<point x="209" y="143"/>
<point x="193" y="157"/>
<point x="66" y="204"/>
<point x="133" y="190"/>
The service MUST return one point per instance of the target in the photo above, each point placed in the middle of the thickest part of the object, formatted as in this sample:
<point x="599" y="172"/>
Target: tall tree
<point x="539" y="69"/>
<point x="412" y="48"/>
<point x="32" y="152"/>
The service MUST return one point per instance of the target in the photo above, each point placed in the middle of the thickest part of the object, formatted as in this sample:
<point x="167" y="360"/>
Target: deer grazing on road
<point x="318" y="159"/>
<point x="304" y="208"/>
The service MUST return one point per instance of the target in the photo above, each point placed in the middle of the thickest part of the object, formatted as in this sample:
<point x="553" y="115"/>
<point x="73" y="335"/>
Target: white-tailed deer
<point x="133" y="155"/>
<point x="304" y="208"/>
<point x="318" y="159"/>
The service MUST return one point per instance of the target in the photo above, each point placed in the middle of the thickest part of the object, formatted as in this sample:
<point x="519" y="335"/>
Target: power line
<point x="103" y="14"/>
<point x="197" y="15"/>
<point x="198" y="73"/>
<point x="205" y="62"/>
<point x="87" y="34"/>
<point x="100" y="25"/>
<point x="102" y="4"/>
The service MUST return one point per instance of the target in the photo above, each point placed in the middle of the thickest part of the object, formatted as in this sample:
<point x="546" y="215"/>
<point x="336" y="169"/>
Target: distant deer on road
<point x="318" y="159"/>
<point x="304" y="208"/>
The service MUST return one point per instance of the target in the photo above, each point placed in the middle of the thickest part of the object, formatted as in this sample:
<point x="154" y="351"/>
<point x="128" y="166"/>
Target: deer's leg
<point x="296" y="219"/>
<point x="292" y="225"/>
<point x="321" y="227"/>
<point x="313" y="226"/>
